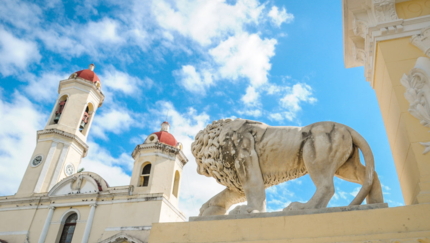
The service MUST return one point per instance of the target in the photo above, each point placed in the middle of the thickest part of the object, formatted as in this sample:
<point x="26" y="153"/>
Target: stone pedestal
<point x="380" y="225"/>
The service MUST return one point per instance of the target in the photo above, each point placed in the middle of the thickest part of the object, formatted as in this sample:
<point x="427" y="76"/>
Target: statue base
<point x="357" y="224"/>
<point x="291" y="213"/>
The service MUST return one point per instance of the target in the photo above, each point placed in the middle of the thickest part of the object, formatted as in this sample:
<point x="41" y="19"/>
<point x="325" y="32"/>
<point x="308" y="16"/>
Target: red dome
<point x="88" y="75"/>
<point x="166" y="138"/>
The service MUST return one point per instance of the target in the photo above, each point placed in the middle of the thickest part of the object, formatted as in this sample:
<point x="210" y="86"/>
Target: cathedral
<point x="57" y="203"/>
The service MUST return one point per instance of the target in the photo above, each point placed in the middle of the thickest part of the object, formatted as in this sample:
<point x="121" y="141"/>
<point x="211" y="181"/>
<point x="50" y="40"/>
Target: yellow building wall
<point x="393" y="59"/>
<point x="413" y="9"/>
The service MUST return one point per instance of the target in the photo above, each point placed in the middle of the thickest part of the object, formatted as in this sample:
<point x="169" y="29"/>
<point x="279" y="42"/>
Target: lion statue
<point x="248" y="156"/>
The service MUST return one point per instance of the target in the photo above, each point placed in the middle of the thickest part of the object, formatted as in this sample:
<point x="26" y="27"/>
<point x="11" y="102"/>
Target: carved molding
<point x="422" y="40"/>
<point x="163" y="148"/>
<point x="417" y="86"/>
<point x="121" y="238"/>
<point x="65" y="134"/>
<point x="367" y="22"/>
<point x="384" y="10"/>
<point x="89" y="84"/>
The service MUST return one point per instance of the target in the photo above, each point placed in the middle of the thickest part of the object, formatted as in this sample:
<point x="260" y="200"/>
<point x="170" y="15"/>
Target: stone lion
<point x="248" y="156"/>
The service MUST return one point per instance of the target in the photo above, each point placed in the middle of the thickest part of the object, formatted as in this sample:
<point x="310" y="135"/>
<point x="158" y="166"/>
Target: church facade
<point x="57" y="203"/>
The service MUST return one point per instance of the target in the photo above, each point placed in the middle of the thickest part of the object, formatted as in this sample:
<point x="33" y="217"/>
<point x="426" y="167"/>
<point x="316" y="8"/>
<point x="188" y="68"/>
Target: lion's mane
<point x="207" y="150"/>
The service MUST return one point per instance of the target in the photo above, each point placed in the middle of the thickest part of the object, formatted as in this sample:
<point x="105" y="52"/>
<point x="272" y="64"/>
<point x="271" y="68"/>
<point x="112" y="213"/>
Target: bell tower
<point x="158" y="164"/>
<point x="62" y="143"/>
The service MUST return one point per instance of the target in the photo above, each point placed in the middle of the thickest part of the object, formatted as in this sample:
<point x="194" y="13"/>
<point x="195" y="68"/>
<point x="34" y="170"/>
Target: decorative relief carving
<point x="359" y="28"/>
<point x="422" y="40"/>
<point x="418" y="93"/>
<point x="121" y="238"/>
<point x="384" y="10"/>
<point x="360" y="55"/>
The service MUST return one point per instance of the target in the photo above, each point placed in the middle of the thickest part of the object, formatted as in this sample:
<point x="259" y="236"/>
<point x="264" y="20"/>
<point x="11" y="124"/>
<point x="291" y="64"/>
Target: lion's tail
<point x="361" y="143"/>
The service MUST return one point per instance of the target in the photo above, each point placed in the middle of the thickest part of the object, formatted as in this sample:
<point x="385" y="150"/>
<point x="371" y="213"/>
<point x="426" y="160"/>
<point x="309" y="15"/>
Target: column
<point x="89" y="223"/>
<point x="46" y="225"/>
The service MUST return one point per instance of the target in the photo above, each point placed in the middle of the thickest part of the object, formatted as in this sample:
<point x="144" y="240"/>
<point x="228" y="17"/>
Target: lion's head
<point x="214" y="156"/>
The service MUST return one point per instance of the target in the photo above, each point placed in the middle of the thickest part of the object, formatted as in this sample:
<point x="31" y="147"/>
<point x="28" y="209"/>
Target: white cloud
<point x="16" y="54"/>
<point x="204" y="21"/>
<point x="244" y="56"/>
<point x="251" y="96"/>
<point x="113" y="120"/>
<point x="20" y="14"/>
<point x="276" y="116"/>
<point x="19" y="121"/>
<point x="101" y="162"/>
<point x="192" y="80"/>
<point x="75" y="39"/>
<point x="44" y="88"/>
<point x="294" y="96"/>
<point x="115" y="80"/>
<point x="104" y="31"/>
<point x="251" y="112"/>
<point x="279" y="17"/>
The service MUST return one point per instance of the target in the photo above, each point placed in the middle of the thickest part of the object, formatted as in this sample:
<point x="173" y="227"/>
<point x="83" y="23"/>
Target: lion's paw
<point x="243" y="209"/>
<point x="295" y="206"/>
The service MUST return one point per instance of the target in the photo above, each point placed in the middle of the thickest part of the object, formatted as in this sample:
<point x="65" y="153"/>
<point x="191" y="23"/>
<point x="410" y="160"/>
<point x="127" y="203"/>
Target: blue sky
<point x="190" y="62"/>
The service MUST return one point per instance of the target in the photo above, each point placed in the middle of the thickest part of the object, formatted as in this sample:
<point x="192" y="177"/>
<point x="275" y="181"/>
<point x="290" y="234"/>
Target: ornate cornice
<point x="87" y="83"/>
<point x="162" y="148"/>
<point x="417" y="86"/>
<point x="368" y="22"/>
<point x="66" y="135"/>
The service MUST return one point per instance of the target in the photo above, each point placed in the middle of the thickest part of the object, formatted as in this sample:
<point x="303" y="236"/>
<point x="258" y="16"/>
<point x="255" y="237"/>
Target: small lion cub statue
<point x="248" y="156"/>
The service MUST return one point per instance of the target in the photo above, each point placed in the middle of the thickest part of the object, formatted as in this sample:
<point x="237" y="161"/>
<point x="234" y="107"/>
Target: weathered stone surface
<point x="249" y="156"/>
<point x="292" y="213"/>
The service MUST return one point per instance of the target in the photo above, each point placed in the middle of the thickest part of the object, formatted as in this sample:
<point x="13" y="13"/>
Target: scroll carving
<point x="418" y="93"/>
<point x="422" y="40"/>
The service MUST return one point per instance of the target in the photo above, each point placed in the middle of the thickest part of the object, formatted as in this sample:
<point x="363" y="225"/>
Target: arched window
<point x="59" y="109"/>
<point x="176" y="184"/>
<point x="86" y="119"/>
<point x="144" y="177"/>
<point x="68" y="229"/>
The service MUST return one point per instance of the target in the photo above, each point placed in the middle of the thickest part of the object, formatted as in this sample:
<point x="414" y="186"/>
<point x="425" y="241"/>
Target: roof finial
<point x="165" y="126"/>
<point x="91" y="67"/>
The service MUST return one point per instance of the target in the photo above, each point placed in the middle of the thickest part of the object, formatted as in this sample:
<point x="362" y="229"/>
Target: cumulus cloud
<point x="111" y="121"/>
<point x="112" y="169"/>
<point x="280" y="16"/>
<point x="194" y="81"/>
<point x="244" y="56"/>
<point x="19" y="121"/>
<point x="15" y="53"/>
<point x="20" y="14"/>
<point x="251" y="112"/>
<point x="44" y="88"/>
<point x="205" y="21"/>
<point x="122" y="82"/>
<point x="251" y="96"/>
<point x="294" y="96"/>
<point x="76" y="39"/>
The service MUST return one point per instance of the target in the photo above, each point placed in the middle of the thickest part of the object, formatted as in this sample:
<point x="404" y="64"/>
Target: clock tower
<point x="62" y="143"/>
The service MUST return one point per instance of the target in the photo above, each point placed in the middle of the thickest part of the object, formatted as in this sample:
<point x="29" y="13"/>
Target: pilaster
<point x="388" y="47"/>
